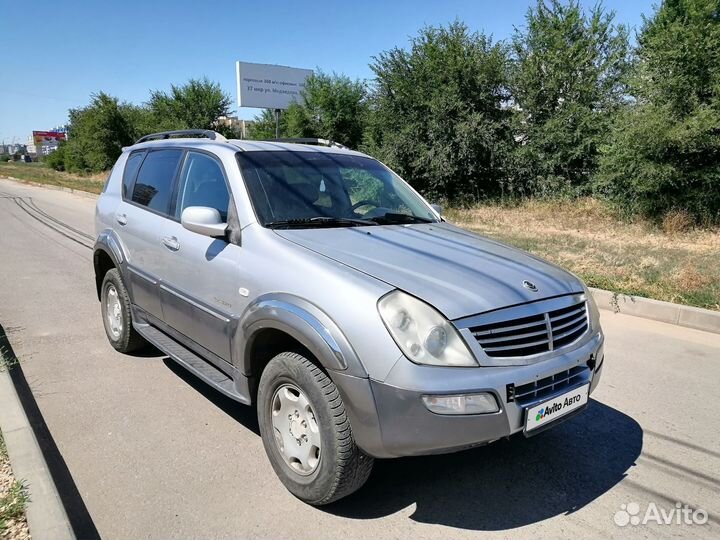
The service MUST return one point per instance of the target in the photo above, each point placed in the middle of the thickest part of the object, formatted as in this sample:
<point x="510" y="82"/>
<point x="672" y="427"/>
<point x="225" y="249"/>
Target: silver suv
<point x="313" y="282"/>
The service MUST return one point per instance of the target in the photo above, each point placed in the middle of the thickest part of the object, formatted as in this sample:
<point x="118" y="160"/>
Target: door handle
<point x="121" y="219"/>
<point x="171" y="243"/>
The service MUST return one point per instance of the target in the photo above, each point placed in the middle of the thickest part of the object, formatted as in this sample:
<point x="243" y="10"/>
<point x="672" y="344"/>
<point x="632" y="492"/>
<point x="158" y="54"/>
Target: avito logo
<point x="556" y="407"/>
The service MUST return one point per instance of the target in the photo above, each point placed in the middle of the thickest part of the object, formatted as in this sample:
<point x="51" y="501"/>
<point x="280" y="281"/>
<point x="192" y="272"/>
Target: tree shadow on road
<point x="507" y="484"/>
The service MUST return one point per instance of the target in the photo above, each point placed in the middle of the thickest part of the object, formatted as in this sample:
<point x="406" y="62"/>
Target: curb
<point x="647" y="308"/>
<point x="50" y="186"/>
<point x="46" y="516"/>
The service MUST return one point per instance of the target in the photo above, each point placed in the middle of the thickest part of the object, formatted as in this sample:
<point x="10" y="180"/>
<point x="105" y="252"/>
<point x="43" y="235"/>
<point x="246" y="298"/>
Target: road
<point x="140" y="449"/>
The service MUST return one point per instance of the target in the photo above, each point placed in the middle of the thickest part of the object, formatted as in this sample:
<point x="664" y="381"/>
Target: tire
<point x="340" y="467"/>
<point x="114" y="297"/>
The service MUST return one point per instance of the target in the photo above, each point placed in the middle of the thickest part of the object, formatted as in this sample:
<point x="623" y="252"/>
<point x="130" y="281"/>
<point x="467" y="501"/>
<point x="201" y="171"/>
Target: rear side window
<point x="131" y="168"/>
<point x="154" y="184"/>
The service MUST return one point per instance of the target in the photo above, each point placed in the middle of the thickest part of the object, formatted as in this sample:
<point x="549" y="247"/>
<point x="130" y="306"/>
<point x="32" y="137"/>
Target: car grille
<point x="554" y="384"/>
<point x="533" y="334"/>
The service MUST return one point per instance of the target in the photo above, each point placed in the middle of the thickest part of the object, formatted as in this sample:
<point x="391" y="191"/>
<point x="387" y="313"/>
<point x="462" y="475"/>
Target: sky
<point x="57" y="53"/>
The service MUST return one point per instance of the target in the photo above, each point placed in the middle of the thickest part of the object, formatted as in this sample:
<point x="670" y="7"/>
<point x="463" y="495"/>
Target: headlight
<point x="423" y="334"/>
<point x="592" y="306"/>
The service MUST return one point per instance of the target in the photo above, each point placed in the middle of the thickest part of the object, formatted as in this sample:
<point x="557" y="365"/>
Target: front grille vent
<point x="554" y="384"/>
<point x="534" y="334"/>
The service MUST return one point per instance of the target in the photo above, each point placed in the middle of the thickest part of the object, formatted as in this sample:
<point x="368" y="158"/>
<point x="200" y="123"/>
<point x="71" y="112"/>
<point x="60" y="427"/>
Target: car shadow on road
<point x="239" y="412"/>
<point x="147" y="351"/>
<point x="507" y="484"/>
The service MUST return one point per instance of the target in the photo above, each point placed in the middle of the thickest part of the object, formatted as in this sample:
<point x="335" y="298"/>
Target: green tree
<point x="332" y="107"/>
<point x="664" y="152"/>
<point x="194" y="105"/>
<point x="567" y="83"/>
<point x="97" y="134"/>
<point x="263" y="126"/>
<point x="437" y="113"/>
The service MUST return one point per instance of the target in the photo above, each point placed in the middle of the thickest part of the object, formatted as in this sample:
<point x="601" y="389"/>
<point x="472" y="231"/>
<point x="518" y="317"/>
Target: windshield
<point x="327" y="189"/>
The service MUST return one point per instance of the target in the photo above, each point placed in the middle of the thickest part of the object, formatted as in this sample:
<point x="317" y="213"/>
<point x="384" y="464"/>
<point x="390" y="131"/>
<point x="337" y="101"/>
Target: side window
<point x="202" y="183"/>
<point x="131" y="168"/>
<point x="154" y="184"/>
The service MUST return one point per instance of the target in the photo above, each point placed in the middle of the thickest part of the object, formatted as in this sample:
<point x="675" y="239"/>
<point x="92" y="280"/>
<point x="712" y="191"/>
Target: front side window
<point x="154" y="185"/>
<point x="296" y="188"/>
<point x="202" y="183"/>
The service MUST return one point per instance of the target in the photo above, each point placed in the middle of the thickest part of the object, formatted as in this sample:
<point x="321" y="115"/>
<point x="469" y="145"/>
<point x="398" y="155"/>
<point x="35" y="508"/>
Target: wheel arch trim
<point x="108" y="243"/>
<point x="306" y="323"/>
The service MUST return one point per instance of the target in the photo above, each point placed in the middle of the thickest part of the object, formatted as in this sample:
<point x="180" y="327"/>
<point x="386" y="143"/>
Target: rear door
<point x="145" y="217"/>
<point x="200" y="281"/>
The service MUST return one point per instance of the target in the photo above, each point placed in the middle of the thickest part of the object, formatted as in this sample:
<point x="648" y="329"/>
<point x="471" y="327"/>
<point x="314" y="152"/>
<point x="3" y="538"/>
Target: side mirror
<point x="437" y="208"/>
<point x="203" y="220"/>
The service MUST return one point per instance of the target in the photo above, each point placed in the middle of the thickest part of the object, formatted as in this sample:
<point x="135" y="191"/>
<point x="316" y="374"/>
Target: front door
<point x="199" y="291"/>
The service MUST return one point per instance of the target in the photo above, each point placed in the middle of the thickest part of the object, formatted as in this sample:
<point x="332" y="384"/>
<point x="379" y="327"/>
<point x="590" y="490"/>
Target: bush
<point x="658" y="164"/>
<point x="664" y="153"/>
<point x="56" y="160"/>
<point x="438" y="115"/>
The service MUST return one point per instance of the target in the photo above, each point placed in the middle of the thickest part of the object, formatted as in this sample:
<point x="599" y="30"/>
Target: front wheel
<point x="306" y="432"/>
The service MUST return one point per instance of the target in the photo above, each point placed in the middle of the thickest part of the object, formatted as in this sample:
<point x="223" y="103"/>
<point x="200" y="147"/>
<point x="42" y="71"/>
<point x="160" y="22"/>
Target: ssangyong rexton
<point x="313" y="282"/>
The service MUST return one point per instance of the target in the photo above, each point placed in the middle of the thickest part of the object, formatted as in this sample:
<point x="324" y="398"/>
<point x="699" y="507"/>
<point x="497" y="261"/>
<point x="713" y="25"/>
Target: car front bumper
<point x="389" y="418"/>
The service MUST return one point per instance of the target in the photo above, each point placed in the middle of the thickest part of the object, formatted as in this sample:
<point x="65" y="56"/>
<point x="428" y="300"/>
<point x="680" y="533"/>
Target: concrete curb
<point x="50" y="186"/>
<point x="677" y="314"/>
<point x="45" y="512"/>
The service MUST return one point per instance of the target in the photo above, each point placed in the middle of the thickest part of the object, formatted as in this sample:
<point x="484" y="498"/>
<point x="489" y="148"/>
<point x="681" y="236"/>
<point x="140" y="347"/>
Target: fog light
<point x="482" y="403"/>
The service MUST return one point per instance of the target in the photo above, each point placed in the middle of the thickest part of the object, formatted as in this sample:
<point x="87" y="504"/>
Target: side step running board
<point x="197" y="365"/>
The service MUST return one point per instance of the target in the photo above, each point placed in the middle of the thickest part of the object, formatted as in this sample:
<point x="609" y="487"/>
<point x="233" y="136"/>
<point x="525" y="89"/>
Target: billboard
<point x="42" y="138"/>
<point x="267" y="86"/>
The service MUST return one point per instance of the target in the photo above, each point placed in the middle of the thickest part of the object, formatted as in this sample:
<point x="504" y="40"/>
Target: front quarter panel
<point x="305" y="322"/>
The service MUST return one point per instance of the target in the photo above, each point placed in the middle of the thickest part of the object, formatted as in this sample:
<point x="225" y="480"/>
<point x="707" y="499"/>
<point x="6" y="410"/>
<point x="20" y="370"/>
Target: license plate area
<point x="552" y="409"/>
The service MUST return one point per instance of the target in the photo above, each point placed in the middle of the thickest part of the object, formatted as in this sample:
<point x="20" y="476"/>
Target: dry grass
<point x="13" y="500"/>
<point x="37" y="172"/>
<point x="673" y="262"/>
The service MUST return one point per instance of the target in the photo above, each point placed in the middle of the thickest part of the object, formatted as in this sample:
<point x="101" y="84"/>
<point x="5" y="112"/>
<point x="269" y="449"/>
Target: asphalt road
<point x="140" y="449"/>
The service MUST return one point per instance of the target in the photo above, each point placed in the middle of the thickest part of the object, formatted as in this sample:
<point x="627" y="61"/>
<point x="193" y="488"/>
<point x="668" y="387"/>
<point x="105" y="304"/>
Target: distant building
<point x="239" y="126"/>
<point x="13" y="149"/>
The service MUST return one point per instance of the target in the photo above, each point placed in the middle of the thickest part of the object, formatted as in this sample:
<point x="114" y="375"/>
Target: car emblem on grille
<point x="529" y="285"/>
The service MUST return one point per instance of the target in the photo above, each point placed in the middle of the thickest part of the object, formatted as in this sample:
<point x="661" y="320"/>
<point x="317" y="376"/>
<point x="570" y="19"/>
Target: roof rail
<point x="190" y="133"/>
<point x="311" y="140"/>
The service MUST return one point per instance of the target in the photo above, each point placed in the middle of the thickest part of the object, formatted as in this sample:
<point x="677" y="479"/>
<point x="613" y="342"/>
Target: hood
<point x="458" y="272"/>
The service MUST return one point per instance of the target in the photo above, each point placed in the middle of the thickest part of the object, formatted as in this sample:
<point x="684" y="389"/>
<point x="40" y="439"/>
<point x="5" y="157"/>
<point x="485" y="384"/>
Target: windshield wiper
<point x="393" y="217"/>
<point x="319" y="221"/>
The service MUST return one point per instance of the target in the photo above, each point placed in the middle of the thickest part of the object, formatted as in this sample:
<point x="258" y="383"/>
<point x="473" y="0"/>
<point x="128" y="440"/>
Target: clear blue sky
<point x="56" y="53"/>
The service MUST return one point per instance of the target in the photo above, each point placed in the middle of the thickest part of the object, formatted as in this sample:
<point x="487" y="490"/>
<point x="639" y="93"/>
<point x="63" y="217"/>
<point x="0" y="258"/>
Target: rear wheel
<point x="306" y="432"/>
<point x="116" y="314"/>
